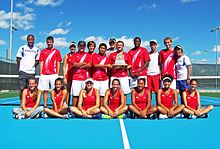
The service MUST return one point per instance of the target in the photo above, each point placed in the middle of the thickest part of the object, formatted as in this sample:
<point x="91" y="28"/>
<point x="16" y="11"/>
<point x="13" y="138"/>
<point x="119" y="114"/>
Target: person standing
<point x="167" y="60"/>
<point x="50" y="59"/>
<point x="112" y="43"/>
<point x="183" y="70"/>
<point x="27" y="60"/>
<point x="139" y="60"/>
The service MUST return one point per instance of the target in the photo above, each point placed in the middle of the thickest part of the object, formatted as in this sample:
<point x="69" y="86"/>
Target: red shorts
<point x="153" y="82"/>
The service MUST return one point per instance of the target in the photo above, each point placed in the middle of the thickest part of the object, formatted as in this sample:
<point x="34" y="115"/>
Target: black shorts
<point x="23" y="79"/>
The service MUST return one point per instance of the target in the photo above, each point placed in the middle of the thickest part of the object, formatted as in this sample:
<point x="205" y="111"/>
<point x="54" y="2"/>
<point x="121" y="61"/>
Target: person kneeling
<point x="141" y="101"/>
<point x="58" y="97"/>
<point x="165" y="99"/>
<point x="115" y="98"/>
<point x="191" y="99"/>
<point x="29" y="103"/>
<point x="89" y="102"/>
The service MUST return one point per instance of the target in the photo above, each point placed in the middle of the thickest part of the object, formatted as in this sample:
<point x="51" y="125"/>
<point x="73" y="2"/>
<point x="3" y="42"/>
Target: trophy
<point x="120" y="62"/>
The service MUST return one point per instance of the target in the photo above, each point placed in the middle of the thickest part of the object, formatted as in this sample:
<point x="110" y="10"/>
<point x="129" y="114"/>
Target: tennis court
<point x="116" y="133"/>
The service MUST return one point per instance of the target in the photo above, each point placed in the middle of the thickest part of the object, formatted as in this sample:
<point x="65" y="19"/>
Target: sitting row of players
<point x="114" y="104"/>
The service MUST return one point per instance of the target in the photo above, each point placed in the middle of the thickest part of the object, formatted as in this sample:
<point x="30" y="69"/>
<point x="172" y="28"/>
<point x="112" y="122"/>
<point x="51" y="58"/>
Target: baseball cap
<point x="72" y="44"/>
<point x="178" y="47"/>
<point x="112" y="40"/>
<point x="89" y="80"/>
<point x="153" y="41"/>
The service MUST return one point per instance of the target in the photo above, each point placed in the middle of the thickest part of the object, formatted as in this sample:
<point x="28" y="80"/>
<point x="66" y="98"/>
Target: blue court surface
<point x="113" y="134"/>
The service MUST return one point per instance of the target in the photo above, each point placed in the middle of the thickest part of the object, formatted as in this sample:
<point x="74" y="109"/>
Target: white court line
<point x="124" y="135"/>
<point x="211" y="101"/>
<point x="10" y="102"/>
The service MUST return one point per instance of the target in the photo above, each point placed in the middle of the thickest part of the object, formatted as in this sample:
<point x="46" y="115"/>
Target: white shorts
<point x="124" y="81"/>
<point x="46" y="82"/>
<point x="101" y="86"/>
<point x="76" y="86"/>
<point x="133" y="81"/>
<point x="173" y="84"/>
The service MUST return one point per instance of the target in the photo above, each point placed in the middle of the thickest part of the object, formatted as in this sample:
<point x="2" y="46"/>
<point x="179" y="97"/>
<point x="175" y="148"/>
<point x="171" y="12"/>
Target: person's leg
<point x="205" y="110"/>
<point x="151" y="110"/>
<point x="63" y="109"/>
<point x="75" y="89"/>
<point x="43" y="86"/>
<point x="37" y="111"/>
<point x="161" y="110"/>
<point x="76" y="111"/>
<point x="188" y="111"/>
<point x="17" y="111"/>
<point x="104" y="110"/>
<point x="52" y="113"/>
<point x="122" y="110"/>
<point x="178" y="110"/>
<point x="103" y="86"/>
<point x="134" y="110"/>
<point x="45" y="98"/>
<point x="94" y="111"/>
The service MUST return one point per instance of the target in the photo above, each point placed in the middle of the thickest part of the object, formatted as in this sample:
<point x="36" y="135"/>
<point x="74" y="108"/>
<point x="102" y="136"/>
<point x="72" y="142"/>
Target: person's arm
<point x="58" y="67"/>
<point x="185" y="102"/>
<point x="159" y="100"/>
<point x="36" y="63"/>
<point x="133" y="100"/>
<point x="35" y="106"/>
<point x="199" y="103"/>
<point x="23" y="101"/>
<point x="18" y="61"/>
<point x="64" y="97"/>
<point x="148" y="102"/>
<point x="142" y="68"/>
<point x="80" y="102"/>
<point x="64" y="69"/>
<point x="189" y="68"/>
<point x="53" y="101"/>
<point x="175" y="96"/>
<point x="41" y="67"/>
<point x="106" y="97"/>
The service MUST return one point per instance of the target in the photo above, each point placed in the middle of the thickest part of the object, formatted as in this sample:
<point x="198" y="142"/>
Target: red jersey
<point x="122" y="72"/>
<point x="168" y="59"/>
<point x="49" y="58"/>
<point x="138" y="58"/>
<point x="141" y="100"/>
<point x="114" y="101"/>
<point x="69" y="66"/>
<point x="167" y="100"/>
<point x="192" y="101"/>
<point x="58" y="98"/>
<point x="100" y="73"/>
<point x="91" y="69"/>
<point x="30" y="101"/>
<point x="89" y="100"/>
<point x="80" y="73"/>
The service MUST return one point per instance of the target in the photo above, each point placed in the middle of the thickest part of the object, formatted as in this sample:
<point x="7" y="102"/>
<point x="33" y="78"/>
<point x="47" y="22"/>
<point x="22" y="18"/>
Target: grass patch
<point x="9" y="94"/>
<point x="217" y="95"/>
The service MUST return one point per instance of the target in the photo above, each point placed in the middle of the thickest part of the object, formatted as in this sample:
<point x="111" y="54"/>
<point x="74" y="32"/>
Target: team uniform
<point x="69" y="69"/>
<point x="91" y="69"/>
<point x="109" y="51"/>
<point x="58" y="99"/>
<point x="168" y="59"/>
<point x="49" y="74"/>
<point x="89" y="100"/>
<point x="100" y="74"/>
<point x="181" y="69"/>
<point x="153" y="72"/>
<point x="27" y="63"/>
<point x="79" y="74"/>
<point x="138" y="58"/>
<point x="192" y="102"/>
<point x="114" y="101"/>
<point x="29" y="104"/>
<point x="122" y="73"/>
<point x="167" y="100"/>
<point x="141" y="100"/>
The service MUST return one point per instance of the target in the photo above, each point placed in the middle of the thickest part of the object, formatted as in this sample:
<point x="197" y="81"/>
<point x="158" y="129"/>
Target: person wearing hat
<point x="167" y="60"/>
<point x="139" y="61"/>
<point x="91" y="45"/>
<point x="153" y="70"/>
<point x="68" y="68"/>
<point x="89" y="101"/>
<point x="112" y="48"/>
<point x="81" y="64"/>
<point x="183" y="71"/>
<point x="167" y="100"/>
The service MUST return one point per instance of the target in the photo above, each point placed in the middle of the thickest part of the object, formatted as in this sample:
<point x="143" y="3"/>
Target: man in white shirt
<point x="27" y="60"/>
<point x="183" y="70"/>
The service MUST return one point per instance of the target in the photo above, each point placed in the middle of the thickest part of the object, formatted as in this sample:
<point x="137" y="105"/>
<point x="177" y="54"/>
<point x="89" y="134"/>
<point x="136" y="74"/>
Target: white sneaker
<point x="180" y="115"/>
<point x="19" y="116"/>
<point x="191" y="116"/>
<point x="163" y="116"/>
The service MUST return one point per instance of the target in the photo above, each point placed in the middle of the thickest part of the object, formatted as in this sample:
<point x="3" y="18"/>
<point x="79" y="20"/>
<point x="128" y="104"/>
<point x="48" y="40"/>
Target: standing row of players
<point x="103" y="68"/>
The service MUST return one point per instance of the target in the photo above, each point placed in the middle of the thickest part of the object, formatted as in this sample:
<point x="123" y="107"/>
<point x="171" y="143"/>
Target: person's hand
<point x="65" y="81"/>
<point x="136" y="74"/>
<point x="84" y="114"/>
<point x="142" y="113"/>
<point x="170" y="113"/>
<point x="111" y="114"/>
<point x="27" y="114"/>
<point x="197" y="113"/>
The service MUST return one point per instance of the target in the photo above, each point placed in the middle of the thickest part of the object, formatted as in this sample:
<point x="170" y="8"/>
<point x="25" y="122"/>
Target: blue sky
<point x="188" y="22"/>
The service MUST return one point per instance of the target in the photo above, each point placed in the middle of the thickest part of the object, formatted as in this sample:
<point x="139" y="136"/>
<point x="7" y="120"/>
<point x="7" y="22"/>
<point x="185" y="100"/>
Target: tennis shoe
<point x="163" y="116"/>
<point x="105" y="116"/>
<point x="122" y="116"/>
<point x="65" y="116"/>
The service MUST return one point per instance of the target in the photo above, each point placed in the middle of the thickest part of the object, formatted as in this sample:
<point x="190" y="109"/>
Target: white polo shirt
<point x="153" y="67"/>
<point x="181" y="67"/>
<point x="28" y="57"/>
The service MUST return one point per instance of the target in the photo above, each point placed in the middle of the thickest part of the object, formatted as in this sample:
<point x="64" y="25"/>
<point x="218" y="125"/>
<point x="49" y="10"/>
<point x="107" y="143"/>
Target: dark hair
<point x="121" y="42"/>
<point x="194" y="80"/>
<point x="82" y="42"/>
<point x="59" y="79"/>
<point x="167" y="38"/>
<point x="103" y="44"/>
<point x="91" y="43"/>
<point x="116" y="80"/>
<point x="142" y="79"/>
<point x="50" y="38"/>
<point x="137" y="38"/>
<point x="169" y="76"/>
<point x="30" y="35"/>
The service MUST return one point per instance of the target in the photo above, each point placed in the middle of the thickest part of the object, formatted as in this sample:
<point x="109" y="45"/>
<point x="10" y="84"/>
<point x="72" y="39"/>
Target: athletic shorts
<point x="101" y="86"/>
<point x="173" y="84"/>
<point x="46" y="82"/>
<point x="153" y="82"/>
<point x="133" y="81"/>
<point x="182" y="85"/>
<point x="124" y="81"/>
<point x="23" y="79"/>
<point x="77" y="85"/>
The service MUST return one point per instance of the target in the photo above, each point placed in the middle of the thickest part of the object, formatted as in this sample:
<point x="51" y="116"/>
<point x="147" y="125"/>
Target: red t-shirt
<point x="168" y="59"/>
<point x="167" y="100"/>
<point x="80" y="73"/>
<point x="192" y="102"/>
<point x="100" y="73"/>
<point x="138" y="58"/>
<point x="141" y="100"/>
<point x="122" y="72"/>
<point x="49" y="58"/>
<point x="91" y="69"/>
<point x="58" y="98"/>
<point x="30" y="101"/>
<point x="89" y="100"/>
<point x="114" y="101"/>
<point x="69" y="66"/>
